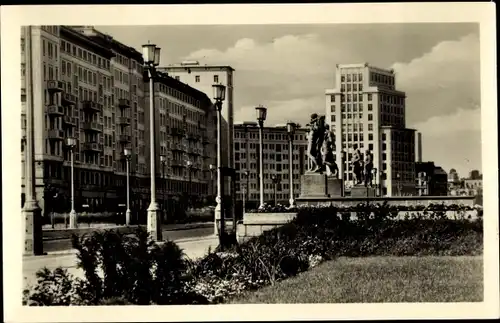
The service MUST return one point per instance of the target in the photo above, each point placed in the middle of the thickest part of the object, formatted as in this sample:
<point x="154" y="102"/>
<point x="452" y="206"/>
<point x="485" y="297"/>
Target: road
<point x="201" y="230"/>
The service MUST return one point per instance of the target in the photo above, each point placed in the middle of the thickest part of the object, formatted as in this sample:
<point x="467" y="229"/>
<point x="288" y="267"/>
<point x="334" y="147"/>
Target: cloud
<point x="453" y="141"/>
<point x="442" y="80"/>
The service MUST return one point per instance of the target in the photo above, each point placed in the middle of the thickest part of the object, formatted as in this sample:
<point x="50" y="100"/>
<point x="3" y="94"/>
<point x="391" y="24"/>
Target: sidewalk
<point x="193" y="248"/>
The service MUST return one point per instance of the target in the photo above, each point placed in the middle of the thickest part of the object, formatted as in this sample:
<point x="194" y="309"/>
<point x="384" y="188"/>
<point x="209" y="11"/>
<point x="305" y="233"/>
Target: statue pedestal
<point x="315" y="185"/>
<point x="362" y="191"/>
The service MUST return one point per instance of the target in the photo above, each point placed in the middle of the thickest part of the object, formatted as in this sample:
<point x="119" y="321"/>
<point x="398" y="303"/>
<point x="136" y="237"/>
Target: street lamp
<point x="163" y="160"/>
<point x="219" y="94"/>
<point x="151" y="55"/>
<point x="211" y="168"/>
<point x="261" y="117"/>
<point x="374" y="174"/>
<point x="246" y="189"/>
<point x="128" y="156"/>
<point x="276" y="180"/>
<point x="71" y="144"/>
<point x="398" y="177"/>
<point x="290" y="129"/>
<point x="189" y="165"/>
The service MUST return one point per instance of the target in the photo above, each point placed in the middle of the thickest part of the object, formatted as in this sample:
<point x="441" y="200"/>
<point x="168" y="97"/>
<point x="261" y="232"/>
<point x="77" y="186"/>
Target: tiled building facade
<point x="276" y="161"/>
<point x="89" y="86"/>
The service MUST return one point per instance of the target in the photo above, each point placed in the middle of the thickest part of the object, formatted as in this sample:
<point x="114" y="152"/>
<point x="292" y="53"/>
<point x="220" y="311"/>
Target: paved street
<point x="171" y="232"/>
<point x="193" y="248"/>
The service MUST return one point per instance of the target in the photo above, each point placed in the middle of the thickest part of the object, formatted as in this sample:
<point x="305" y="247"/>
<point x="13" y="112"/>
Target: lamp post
<point x="163" y="161"/>
<point x="398" y="177"/>
<point x="128" y="156"/>
<point x="71" y="144"/>
<point x="375" y="182"/>
<point x="31" y="212"/>
<point x="290" y="128"/>
<point x="261" y="117"/>
<point x="151" y="55"/>
<point x="211" y="168"/>
<point x="219" y="94"/>
<point x="189" y="165"/>
<point x="246" y="189"/>
<point x="276" y="180"/>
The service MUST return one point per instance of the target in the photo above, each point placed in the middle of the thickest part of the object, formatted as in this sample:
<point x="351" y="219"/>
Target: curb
<point x="69" y="252"/>
<point x="193" y="226"/>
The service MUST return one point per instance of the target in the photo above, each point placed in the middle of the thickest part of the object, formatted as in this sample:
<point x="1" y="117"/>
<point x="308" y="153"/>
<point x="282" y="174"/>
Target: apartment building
<point x="276" y="161"/>
<point x="366" y="111"/>
<point x="184" y="126"/>
<point x="88" y="86"/>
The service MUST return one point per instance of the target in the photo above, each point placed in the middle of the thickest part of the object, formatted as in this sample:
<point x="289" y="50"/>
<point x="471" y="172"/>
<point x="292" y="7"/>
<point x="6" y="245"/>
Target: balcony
<point x="69" y="99"/>
<point x="92" y="106"/>
<point x="177" y="132"/>
<point x="92" y="126"/>
<point x="124" y="103"/>
<point x="124" y="121"/>
<point x="55" y="110"/>
<point x="92" y="146"/>
<point x="56" y="134"/>
<point x="125" y="138"/>
<point x="69" y="121"/>
<point x="176" y="147"/>
<point x="54" y="86"/>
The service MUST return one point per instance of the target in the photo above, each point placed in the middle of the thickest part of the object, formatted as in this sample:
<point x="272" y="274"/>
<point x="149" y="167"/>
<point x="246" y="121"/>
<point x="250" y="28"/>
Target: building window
<point x="370" y="126"/>
<point x="197" y="78"/>
<point x="370" y="136"/>
<point x="332" y="98"/>
<point x="370" y="117"/>
<point x="370" y="107"/>
<point x="333" y="118"/>
<point x="370" y="146"/>
<point x="370" y="97"/>
<point x="342" y="78"/>
<point x="216" y="79"/>
<point x="383" y="136"/>
<point x="361" y="107"/>
<point x="333" y="108"/>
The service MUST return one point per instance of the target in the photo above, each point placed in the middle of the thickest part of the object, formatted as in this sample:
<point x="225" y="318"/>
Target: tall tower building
<point x="366" y="111"/>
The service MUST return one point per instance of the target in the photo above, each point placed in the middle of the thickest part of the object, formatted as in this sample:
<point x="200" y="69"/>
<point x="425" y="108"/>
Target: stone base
<point x="319" y="185"/>
<point x="362" y="191"/>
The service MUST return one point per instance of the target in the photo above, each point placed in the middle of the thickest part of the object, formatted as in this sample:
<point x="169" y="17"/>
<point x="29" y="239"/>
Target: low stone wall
<point x="395" y="200"/>
<point x="254" y="224"/>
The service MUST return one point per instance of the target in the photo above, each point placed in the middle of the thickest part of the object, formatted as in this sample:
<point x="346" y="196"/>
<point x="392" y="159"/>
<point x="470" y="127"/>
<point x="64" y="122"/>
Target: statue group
<point x="320" y="148"/>
<point x="362" y="169"/>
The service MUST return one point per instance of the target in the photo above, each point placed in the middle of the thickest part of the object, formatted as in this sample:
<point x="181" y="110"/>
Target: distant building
<point x="431" y="180"/>
<point x="366" y="111"/>
<point x="475" y="174"/>
<point x="275" y="151"/>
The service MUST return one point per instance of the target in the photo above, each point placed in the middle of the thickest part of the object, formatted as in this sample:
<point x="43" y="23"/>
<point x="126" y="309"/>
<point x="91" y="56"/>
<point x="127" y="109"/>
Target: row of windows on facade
<point x="266" y="156"/>
<point x="270" y="136"/>
<point x="167" y="90"/>
<point x="275" y="147"/>
<point x="382" y="79"/>
<point x="383" y="98"/>
<point x="355" y="107"/>
<point x="240" y="176"/>
<point x="167" y="106"/>
<point x="276" y="167"/>
<point x="267" y="186"/>
<point x="103" y="179"/>
<point x="85" y="55"/>
<point x="351" y="77"/>
<point x="197" y="78"/>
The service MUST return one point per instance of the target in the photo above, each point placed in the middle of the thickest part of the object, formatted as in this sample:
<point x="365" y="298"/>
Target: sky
<point x="288" y="67"/>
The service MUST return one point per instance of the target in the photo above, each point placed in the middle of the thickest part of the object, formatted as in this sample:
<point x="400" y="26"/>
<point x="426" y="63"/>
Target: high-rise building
<point x="418" y="147"/>
<point x="276" y="161"/>
<point x="89" y="86"/>
<point x="367" y="112"/>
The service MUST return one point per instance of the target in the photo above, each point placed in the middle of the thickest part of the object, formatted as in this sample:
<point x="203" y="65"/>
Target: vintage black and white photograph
<point x="250" y="163"/>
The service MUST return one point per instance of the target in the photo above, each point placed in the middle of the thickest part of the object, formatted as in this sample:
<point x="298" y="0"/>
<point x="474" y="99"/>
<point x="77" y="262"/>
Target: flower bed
<point x="141" y="273"/>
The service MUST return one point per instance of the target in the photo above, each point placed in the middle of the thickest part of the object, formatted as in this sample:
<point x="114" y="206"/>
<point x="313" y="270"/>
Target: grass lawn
<point x="379" y="279"/>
